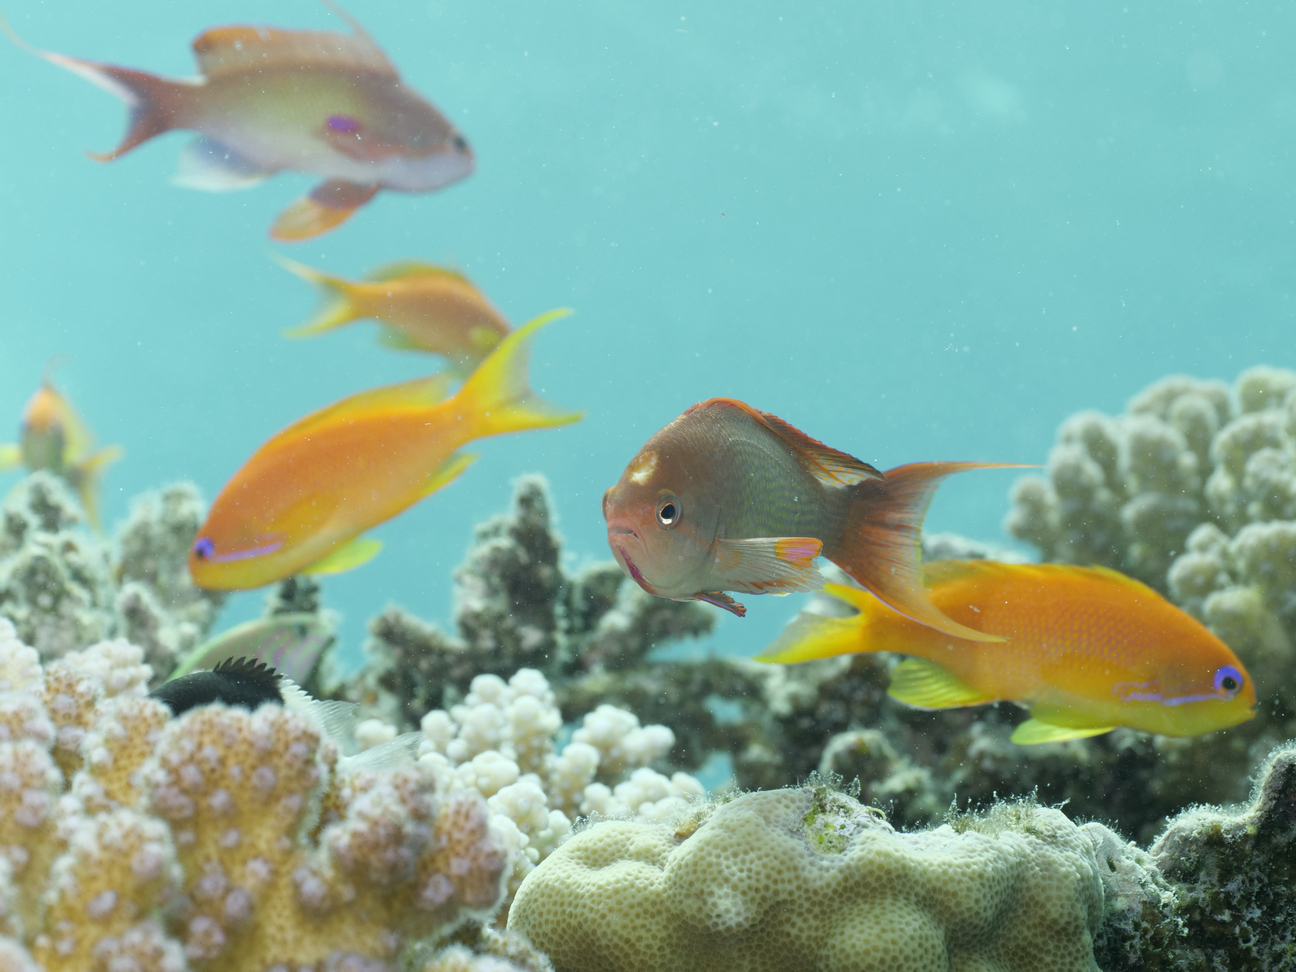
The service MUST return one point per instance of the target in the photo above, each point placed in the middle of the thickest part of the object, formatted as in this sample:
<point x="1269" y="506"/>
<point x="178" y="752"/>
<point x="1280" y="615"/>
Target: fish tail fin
<point x="497" y="398"/>
<point x="151" y="100"/>
<point x="89" y="472"/>
<point x="809" y="635"/>
<point x="880" y="545"/>
<point x="337" y="309"/>
<point x="10" y="456"/>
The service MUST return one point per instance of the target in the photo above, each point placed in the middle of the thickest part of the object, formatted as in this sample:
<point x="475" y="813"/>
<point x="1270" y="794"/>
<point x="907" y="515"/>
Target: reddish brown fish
<point x="269" y="100"/>
<point x="728" y="498"/>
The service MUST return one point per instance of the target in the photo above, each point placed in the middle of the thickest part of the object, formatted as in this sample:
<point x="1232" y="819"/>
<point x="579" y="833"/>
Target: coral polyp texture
<point x="222" y="839"/>
<point x="64" y="587"/>
<point x="808" y="879"/>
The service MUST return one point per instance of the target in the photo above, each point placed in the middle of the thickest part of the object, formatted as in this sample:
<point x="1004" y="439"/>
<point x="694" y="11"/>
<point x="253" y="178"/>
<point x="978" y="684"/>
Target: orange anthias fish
<point x="421" y="307"/>
<point x="303" y="499"/>
<point x="727" y="498"/>
<point x="269" y="100"/>
<point x="1086" y="649"/>
<point x="55" y="438"/>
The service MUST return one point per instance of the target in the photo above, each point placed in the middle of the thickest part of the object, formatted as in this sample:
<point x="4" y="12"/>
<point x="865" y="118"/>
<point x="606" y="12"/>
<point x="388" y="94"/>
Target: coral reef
<point x="64" y="588"/>
<point x="221" y="839"/>
<point x="808" y="879"/>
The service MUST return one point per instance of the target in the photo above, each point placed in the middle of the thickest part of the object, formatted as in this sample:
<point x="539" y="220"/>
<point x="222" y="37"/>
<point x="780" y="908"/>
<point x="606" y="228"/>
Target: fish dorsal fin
<point x="769" y="565"/>
<point x="407" y="396"/>
<point x="401" y="269"/>
<point x="925" y="685"/>
<point x="250" y="670"/>
<point x="948" y="571"/>
<point x="240" y="49"/>
<point x="828" y="465"/>
<point x="1032" y="732"/>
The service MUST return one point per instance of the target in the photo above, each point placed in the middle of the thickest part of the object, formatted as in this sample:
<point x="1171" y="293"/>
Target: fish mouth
<point x="615" y="538"/>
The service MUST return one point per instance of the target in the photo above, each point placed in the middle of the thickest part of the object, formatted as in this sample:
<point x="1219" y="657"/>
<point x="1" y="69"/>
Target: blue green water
<point x="915" y="230"/>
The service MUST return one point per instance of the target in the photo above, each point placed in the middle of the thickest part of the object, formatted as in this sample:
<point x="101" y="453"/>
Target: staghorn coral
<point x="130" y="840"/>
<point x="64" y="588"/>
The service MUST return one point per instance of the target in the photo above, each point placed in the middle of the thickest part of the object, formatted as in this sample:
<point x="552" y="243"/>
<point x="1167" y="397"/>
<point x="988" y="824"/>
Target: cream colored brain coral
<point x="806" y="879"/>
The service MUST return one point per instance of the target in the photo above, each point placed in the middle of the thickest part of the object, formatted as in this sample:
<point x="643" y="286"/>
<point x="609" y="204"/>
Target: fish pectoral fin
<point x="10" y="456"/>
<point x="809" y="636"/>
<point x="1033" y="731"/>
<point x="449" y="471"/>
<point x="351" y="554"/>
<point x="213" y="166"/>
<point x="769" y="565"/>
<point x="721" y="600"/>
<point x="484" y="338"/>
<point x="397" y="340"/>
<point x="327" y="206"/>
<point x="925" y="685"/>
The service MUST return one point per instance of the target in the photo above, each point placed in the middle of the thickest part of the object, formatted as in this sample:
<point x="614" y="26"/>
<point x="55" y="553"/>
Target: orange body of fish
<point x="269" y="100"/>
<point x="421" y="308"/>
<point x="729" y="498"/>
<point x="1087" y="649"/>
<point x="302" y="500"/>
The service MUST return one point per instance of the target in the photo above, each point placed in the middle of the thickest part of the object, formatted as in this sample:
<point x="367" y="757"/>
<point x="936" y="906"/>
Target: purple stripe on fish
<point x="341" y="123"/>
<point x="251" y="552"/>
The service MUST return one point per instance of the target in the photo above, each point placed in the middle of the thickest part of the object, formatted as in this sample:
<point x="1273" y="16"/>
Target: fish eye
<point x="460" y="144"/>
<point x="203" y="548"/>
<point x="1228" y="679"/>
<point x="668" y="510"/>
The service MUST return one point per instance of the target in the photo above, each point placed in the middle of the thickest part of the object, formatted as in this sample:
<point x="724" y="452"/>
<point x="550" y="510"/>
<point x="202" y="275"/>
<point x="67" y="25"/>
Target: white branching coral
<point x="500" y="743"/>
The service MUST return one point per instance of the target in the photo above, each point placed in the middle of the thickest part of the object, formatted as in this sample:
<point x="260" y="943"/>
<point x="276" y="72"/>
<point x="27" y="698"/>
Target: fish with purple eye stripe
<point x="1086" y="649"/>
<point x="271" y="100"/>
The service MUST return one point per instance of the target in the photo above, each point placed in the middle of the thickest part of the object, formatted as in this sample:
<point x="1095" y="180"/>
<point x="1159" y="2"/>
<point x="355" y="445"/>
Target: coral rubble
<point x="64" y="588"/>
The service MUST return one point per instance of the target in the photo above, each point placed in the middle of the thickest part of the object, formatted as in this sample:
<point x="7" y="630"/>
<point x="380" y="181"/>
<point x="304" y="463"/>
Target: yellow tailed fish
<point x="1087" y="649"/>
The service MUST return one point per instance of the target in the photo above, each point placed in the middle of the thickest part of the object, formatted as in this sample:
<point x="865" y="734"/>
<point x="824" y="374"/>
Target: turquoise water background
<point x="914" y="230"/>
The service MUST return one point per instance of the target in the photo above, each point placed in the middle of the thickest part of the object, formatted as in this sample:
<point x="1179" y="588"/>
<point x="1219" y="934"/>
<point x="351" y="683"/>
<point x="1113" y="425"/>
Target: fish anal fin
<point x="769" y="565"/>
<point x="326" y="207"/>
<point x="349" y="555"/>
<point x="245" y="49"/>
<point x="880" y="545"/>
<point x="1033" y="731"/>
<point x="721" y="600"/>
<point x="925" y="685"/>
<point x="449" y="471"/>
<point x="212" y="166"/>
<point x="809" y="636"/>
<point x="403" y="269"/>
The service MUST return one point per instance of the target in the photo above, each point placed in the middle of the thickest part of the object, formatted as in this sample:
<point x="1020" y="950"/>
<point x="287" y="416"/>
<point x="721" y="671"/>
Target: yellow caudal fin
<point x="351" y="554"/>
<point x="809" y="636"/>
<point x="337" y="308"/>
<point x="10" y="456"/>
<point x="497" y="398"/>
<point x="89" y="472"/>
